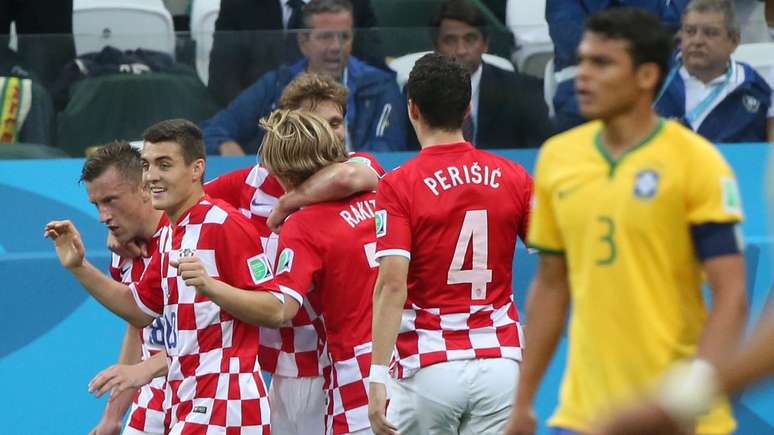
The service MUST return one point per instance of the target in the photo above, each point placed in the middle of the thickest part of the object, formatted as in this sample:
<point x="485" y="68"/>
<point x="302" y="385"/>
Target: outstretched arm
<point x="264" y="308"/>
<point x="113" y="295"/>
<point x="112" y="418"/>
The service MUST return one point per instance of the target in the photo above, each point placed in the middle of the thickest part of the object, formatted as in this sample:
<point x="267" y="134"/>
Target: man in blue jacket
<point x="565" y="24"/>
<point x="717" y="97"/>
<point x="376" y="109"/>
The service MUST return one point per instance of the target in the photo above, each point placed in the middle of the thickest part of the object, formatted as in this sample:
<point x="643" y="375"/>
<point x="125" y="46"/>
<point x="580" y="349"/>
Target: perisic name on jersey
<point x="454" y="176"/>
<point x="359" y="212"/>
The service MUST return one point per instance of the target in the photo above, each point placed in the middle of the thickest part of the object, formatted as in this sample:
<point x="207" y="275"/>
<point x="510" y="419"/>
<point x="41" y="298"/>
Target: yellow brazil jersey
<point x="635" y="279"/>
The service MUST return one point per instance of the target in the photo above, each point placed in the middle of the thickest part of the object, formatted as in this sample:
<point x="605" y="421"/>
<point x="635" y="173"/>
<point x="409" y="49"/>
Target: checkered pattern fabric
<point x="147" y="412"/>
<point x="430" y="336"/>
<point x="455" y="213"/>
<point x="293" y="349"/>
<point x="214" y="377"/>
<point x="346" y="384"/>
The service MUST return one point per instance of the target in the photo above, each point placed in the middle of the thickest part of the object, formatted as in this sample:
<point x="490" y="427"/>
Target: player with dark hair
<point x="446" y="229"/>
<point x="631" y="212"/>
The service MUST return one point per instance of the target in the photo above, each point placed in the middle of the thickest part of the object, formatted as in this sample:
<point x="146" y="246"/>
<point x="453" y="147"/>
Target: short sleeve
<point x="147" y="292"/>
<point x="227" y="187"/>
<point x="393" y="227"/>
<point x="712" y="193"/>
<point x="299" y="260"/>
<point x="239" y="256"/>
<point x="543" y="233"/>
<point x="368" y="160"/>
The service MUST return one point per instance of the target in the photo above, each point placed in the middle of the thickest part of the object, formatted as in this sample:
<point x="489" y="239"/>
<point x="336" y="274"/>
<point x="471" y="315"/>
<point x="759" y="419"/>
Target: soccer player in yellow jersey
<point x="631" y="213"/>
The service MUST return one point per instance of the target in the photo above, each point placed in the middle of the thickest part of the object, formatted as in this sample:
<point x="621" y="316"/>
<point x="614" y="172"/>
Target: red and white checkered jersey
<point x="455" y="212"/>
<point x="147" y="414"/>
<point x="327" y="256"/>
<point x="293" y="349"/>
<point x="214" y="377"/>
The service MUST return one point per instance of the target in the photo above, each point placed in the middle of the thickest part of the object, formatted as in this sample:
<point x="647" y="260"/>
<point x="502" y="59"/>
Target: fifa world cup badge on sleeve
<point x="381" y="223"/>
<point x="731" y="199"/>
<point x="260" y="269"/>
<point x="285" y="262"/>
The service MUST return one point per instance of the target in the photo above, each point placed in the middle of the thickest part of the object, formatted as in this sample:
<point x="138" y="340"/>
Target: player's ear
<point x="648" y="75"/>
<point x="198" y="170"/>
<point x="413" y="110"/>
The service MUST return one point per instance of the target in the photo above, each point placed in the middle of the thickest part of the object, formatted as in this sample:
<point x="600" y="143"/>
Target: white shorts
<point x="297" y="405"/>
<point x="466" y="397"/>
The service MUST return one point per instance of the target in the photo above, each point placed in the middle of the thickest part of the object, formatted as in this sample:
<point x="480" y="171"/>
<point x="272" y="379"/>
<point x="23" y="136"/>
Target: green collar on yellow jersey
<point x="614" y="162"/>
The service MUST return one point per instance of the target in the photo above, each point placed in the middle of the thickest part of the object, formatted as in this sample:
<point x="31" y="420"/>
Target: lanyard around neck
<point x="717" y="88"/>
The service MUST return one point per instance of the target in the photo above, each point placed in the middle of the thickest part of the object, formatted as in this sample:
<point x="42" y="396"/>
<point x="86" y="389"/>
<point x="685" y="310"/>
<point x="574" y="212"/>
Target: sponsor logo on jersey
<point x="381" y="222"/>
<point x="646" y="184"/>
<point x="285" y="262"/>
<point x="199" y="409"/>
<point x="260" y="270"/>
<point x="732" y="202"/>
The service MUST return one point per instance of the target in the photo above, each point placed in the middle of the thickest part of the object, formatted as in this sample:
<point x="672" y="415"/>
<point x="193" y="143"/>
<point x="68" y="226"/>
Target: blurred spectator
<point x="44" y="30"/>
<point x="719" y="98"/>
<point x="565" y="24"/>
<point x="249" y="41"/>
<point x="376" y="110"/>
<point x="507" y="108"/>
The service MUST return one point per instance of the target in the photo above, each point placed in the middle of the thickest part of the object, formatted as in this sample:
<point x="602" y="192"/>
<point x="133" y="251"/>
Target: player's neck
<point x="151" y="225"/>
<point x="176" y="211"/>
<point x="628" y="130"/>
<point x="429" y="138"/>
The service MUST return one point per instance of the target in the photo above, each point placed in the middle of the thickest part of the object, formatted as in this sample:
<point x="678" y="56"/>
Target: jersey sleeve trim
<point x="544" y="250"/>
<point x="293" y="294"/>
<point x="144" y="308"/>
<point x="389" y="252"/>
<point x="358" y="160"/>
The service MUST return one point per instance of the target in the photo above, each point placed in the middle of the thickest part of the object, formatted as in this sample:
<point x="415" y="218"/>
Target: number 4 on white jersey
<point x="473" y="227"/>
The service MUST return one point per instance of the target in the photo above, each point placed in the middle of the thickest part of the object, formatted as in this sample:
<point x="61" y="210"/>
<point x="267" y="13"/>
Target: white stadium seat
<point x="124" y="24"/>
<point x="760" y="55"/>
<point x="204" y="13"/>
<point x="526" y="19"/>
<point x="402" y="65"/>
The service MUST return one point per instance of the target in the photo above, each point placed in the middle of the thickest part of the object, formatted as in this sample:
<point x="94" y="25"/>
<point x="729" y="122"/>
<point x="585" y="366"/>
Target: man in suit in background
<point x="507" y="109"/>
<point x="249" y="41"/>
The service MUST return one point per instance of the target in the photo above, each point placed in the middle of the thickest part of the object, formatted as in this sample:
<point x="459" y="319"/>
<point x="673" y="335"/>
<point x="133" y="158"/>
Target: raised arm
<point x="113" y="295"/>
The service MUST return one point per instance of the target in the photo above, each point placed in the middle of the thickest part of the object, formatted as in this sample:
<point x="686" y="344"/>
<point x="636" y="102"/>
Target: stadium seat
<point x="403" y="65"/>
<point x="760" y="55"/>
<point x="204" y="13"/>
<point x="124" y="24"/>
<point x="526" y="19"/>
<point x="121" y="106"/>
<point x="18" y="151"/>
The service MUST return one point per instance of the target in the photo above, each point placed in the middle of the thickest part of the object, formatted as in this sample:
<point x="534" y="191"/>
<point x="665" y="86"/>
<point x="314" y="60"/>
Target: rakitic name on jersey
<point x="359" y="212"/>
<point x="454" y="176"/>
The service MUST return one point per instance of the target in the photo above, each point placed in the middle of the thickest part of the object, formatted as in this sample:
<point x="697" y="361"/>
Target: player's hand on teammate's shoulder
<point x="191" y="269"/>
<point x="522" y="422"/>
<point x="377" y="405"/>
<point x="131" y="249"/>
<point x="118" y="378"/>
<point x="278" y="215"/>
<point x="67" y="241"/>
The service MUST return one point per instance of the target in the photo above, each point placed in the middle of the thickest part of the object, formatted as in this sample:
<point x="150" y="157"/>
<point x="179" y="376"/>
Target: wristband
<point x="688" y="389"/>
<point x="379" y="374"/>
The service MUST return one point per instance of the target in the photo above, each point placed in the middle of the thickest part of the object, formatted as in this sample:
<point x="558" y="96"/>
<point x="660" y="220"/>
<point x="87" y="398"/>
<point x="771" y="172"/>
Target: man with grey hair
<point x="716" y="96"/>
<point x="376" y="110"/>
